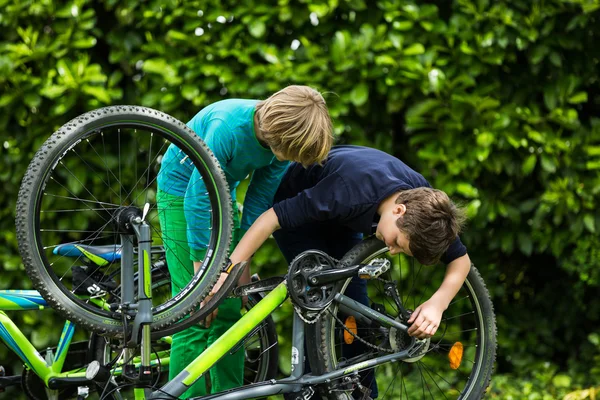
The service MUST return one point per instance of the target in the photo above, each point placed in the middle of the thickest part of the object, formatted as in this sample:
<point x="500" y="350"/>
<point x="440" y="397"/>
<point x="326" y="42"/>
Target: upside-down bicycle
<point x="94" y="183"/>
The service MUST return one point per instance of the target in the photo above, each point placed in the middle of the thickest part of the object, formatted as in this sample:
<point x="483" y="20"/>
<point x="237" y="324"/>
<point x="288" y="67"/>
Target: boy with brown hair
<point x="248" y="137"/>
<point x="329" y="207"/>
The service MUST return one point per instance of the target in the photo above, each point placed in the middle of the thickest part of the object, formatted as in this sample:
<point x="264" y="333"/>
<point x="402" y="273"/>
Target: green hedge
<point x="496" y="102"/>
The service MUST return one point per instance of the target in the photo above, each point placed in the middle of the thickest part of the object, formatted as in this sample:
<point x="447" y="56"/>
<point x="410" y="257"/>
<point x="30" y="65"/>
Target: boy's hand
<point x="211" y="317"/>
<point x="426" y="318"/>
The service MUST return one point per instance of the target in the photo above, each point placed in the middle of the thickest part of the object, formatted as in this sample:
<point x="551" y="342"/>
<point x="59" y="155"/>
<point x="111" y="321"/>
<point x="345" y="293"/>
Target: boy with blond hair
<point x="248" y="137"/>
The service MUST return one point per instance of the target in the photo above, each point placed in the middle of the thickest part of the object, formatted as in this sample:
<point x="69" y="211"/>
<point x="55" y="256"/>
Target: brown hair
<point x="431" y="222"/>
<point x="296" y="123"/>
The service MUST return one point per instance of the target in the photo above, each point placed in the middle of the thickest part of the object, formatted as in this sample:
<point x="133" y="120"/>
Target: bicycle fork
<point x="143" y="316"/>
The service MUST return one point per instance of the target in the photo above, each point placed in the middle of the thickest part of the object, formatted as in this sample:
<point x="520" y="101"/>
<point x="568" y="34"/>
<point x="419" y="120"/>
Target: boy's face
<point x="388" y="232"/>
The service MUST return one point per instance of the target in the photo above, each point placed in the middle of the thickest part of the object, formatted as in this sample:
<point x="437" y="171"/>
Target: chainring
<point x="304" y="296"/>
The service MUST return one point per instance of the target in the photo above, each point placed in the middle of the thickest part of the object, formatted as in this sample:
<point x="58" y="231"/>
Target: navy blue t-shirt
<point x="347" y="191"/>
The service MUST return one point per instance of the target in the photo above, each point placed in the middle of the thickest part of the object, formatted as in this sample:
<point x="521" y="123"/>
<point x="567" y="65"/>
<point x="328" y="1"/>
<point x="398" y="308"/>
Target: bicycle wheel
<point x="260" y="347"/>
<point x="456" y="363"/>
<point x="83" y="181"/>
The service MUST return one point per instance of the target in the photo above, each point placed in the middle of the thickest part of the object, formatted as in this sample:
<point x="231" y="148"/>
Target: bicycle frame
<point x="297" y="380"/>
<point x="49" y="369"/>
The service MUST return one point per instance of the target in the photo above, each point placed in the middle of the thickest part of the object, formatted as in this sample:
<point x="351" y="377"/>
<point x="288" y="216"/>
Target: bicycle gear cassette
<point x="400" y="340"/>
<point x="303" y="295"/>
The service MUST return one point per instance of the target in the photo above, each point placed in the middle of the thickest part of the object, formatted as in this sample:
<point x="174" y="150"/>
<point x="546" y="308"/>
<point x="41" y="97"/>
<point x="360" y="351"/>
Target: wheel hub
<point x="123" y="217"/>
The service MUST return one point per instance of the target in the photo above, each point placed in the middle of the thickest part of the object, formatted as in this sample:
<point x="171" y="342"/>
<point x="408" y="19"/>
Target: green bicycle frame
<point x="17" y="342"/>
<point x="297" y="381"/>
<point x="50" y="370"/>
<point x="226" y="342"/>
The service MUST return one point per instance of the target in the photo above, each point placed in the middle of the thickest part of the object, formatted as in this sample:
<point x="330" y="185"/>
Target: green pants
<point x="228" y="373"/>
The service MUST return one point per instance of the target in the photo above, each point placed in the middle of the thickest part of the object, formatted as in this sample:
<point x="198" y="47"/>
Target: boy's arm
<point x="258" y="233"/>
<point x="261" y="191"/>
<point x="426" y="318"/>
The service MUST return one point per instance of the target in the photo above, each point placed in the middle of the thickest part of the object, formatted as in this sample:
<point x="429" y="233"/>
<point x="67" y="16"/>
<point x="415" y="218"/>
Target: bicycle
<point x="55" y="184"/>
<point x="59" y="372"/>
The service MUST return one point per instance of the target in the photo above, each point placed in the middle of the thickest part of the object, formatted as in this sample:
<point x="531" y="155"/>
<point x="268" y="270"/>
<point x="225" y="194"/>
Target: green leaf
<point x="397" y="39"/>
<point x="589" y="222"/>
<point x="465" y="48"/>
<point x="591" y="165"/>
<point x="414" y="49"/>
<point x="529" y="164"/>
<point x="548" y="164"/>
<point x="359" y="94"/>
<point x="472" y="208"/>
<point x="115" y="78"/>
<point x="190" y="91"/>
<point x="555" y="59"/>
<point x="525" y="244"/>
<point x="550" y="98"/>
<point x="580" y="97"/>
<point x="85" y="43"/>
<point x="536" y="136"/>
<point x="466" y="189"/>
<point x="403" y="25"/>
<point x="538" y="53"/>
<point x="53" y="91"/>
<point x="485" y="139"/>
<point x="257" y="28"/>
<point x="98" y="92"/>
<point x="338" y="47"/>
<point x="421" y="108"/>
<point x="177" y="36"/>
<point x="592" y="150"/>
<point x="562" y="380"/>
<point x="32" y="100"/>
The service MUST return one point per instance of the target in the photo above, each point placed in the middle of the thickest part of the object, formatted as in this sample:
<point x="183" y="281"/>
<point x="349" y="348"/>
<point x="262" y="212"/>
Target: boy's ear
<point x="399" y="210"/>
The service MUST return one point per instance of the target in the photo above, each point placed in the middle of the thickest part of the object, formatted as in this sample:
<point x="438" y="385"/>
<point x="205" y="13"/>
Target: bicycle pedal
<point x="374" y="269"/>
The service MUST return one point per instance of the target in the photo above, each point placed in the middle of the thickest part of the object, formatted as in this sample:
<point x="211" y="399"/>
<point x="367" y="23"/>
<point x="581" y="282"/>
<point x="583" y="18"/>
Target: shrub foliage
<point x="496" y="102"/>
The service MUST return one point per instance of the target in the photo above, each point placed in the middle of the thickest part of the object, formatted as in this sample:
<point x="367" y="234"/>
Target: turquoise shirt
<point x="227" y="127"/>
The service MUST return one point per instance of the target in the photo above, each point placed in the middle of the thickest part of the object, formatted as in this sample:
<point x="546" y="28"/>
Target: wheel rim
<point x="431" y="376"/>
<point x="257" y="352"/>
<point x="124" y="158"/>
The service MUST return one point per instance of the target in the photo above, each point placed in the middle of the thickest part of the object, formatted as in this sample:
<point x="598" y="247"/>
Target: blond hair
<point x="296" y="123"/>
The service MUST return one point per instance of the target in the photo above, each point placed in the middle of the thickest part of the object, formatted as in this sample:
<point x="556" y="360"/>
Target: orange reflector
<point x="351" y="326"/>
<point x="455" y="355"/>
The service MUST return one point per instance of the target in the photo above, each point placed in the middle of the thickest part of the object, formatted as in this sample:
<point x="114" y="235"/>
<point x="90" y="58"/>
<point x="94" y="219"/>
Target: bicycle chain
<point x="308" y="321"/>
<point x="361" y="339"/>
<point x="313" y="321"/>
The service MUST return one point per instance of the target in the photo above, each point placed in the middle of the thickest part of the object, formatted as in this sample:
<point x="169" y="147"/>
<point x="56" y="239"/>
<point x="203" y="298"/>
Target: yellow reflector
<point x="455" y="355"/>
<point x="351" y="326"/>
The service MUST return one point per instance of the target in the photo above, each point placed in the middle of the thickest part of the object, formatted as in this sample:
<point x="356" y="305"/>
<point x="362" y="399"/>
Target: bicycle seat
<point x="100" y="255"/>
